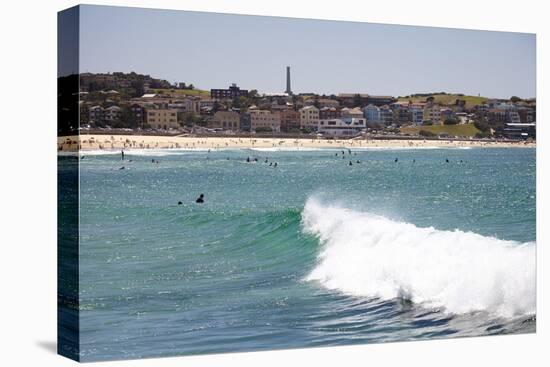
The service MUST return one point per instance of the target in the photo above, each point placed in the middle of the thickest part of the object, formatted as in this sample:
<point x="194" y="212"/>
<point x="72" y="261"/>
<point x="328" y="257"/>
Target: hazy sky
<point x="213" y="50"/>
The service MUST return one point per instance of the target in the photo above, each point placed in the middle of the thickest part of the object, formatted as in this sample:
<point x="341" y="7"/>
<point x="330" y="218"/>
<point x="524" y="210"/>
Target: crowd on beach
<point x="104" y="142"/>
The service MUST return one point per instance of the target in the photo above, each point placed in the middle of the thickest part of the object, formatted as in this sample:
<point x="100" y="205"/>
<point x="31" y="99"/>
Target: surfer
<point x="248" y="159"/>
<point x="275" y="165"/>
<point x="122" y="154"/>
<point x="351" y="164"/>
<point x="447" y="160"/>
<point x="396" y="160"/>
<point x="180" y="203"/>
<point x="200" y="199"/>
<point x="121" y="168"/>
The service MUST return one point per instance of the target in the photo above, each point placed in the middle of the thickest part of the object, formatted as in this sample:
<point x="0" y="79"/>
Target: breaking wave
<point x="371" y="256"/>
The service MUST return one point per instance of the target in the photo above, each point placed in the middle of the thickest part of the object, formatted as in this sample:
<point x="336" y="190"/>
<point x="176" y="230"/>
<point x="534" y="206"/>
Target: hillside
<point x="465" y="130"/>
<point x="181" y="92"/>
<point x="446" y="99"/>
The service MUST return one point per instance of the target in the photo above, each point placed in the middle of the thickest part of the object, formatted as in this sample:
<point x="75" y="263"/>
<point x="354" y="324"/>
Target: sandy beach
<point x="107" y="142"/>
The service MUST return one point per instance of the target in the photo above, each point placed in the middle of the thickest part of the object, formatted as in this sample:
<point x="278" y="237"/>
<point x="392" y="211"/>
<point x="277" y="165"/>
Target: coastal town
<point x="131" y="103"/>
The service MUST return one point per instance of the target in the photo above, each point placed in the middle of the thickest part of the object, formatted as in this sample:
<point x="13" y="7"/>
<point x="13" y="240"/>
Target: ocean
<point x="401" y="245"/>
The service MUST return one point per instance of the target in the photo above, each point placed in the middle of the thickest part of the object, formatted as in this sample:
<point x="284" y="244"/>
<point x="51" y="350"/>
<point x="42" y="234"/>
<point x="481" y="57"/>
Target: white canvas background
<point x="28" y="182"/>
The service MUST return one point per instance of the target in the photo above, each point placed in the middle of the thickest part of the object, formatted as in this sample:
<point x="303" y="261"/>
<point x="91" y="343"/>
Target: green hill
<point x="446" y="99"/>
<point x="465" y="130"/>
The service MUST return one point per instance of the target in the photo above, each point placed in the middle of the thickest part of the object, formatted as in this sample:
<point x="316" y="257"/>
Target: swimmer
<point x="200" y="199"/>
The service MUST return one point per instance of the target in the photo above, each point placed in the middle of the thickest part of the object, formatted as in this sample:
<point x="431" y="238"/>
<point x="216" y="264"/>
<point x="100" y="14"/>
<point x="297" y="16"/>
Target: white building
<point x="345" y="126"/>
<point x="309" y="117"/>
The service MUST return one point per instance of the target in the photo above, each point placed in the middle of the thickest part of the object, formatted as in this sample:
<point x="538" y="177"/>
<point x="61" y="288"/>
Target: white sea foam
<point x="145" y="152"/>
<point x="291" y="149"/>
<point x="372" y="256"/>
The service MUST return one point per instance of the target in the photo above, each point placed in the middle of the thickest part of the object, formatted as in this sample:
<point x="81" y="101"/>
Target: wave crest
<point x="372" y="256"/>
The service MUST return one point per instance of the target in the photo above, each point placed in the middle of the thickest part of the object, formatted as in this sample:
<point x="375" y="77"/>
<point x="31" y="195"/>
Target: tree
<point x="482" y="125"/>
<point x="137" y="87"/>
<point x="515" y="99"/>
<point x="451" y="121"/>
<point x="127" y="117"/>
<point x="191" y="86"/>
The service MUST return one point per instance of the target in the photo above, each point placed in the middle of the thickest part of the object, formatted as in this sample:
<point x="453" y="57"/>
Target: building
<point x="372" y="114"/>
<point x="446" y="114"/>
<point x="309" y="117"/>
<point x="138" y="113"/>
<point x="230" y="93"/>
<point x="401" y="113"/>
<point x="322" y="102"/>
<point x="351" y="112"/>
<point x="327" y="113"/>
<point x="432" y="113"/>
<point x="226" y="120"/>
<point x="496" y="115"/>
<point x="380" y="100"/>
<point x="245" y="121"/>
<point x="351" y="99"/>
<point x="386" y="115"/>
<point x="345" y="126"/>
<point x="290" y="120"/>
<point x="288" y="89"/>
<point x="162" y="118"/>
<point x="517" y="131"/>
<point x="96" y="116"/>
<point x="526" y="114"/>
<point x="513" y="117"/>
<point x="416" y="114"/>
<point x="112" y="115"/>
<point x="264" y="120"/>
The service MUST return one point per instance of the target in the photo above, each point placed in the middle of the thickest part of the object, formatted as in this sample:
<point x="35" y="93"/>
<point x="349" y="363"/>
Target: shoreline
<point x="129" y="142"/>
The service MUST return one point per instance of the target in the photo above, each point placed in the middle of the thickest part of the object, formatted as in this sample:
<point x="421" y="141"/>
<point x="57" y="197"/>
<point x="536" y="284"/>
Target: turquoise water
<point x="313" y="252"/>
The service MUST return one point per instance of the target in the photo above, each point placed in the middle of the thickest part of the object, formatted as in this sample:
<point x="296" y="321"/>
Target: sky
<point x="214" y="50"/>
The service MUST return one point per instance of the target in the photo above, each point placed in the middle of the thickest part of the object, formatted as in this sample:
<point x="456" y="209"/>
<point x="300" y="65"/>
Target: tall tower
<point x="288" y="90"/>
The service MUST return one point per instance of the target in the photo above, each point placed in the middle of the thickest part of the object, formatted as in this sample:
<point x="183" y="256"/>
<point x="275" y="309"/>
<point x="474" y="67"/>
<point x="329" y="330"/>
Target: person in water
<point x="351" y="164"/>
<point x="200" y="199"/>
<point x="122" y="154"/>
<point x="447" y="160"/>
<point x="248" y="159"/>
<point x="180" y="203"/>
<point x="396" y="160"/>
<point x="275" y="165"/>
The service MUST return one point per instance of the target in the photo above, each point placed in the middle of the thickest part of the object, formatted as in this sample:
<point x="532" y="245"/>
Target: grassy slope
<point x="448" y="99"/>
<point x="183" y="92"/>
<point x="453" y="130"/>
